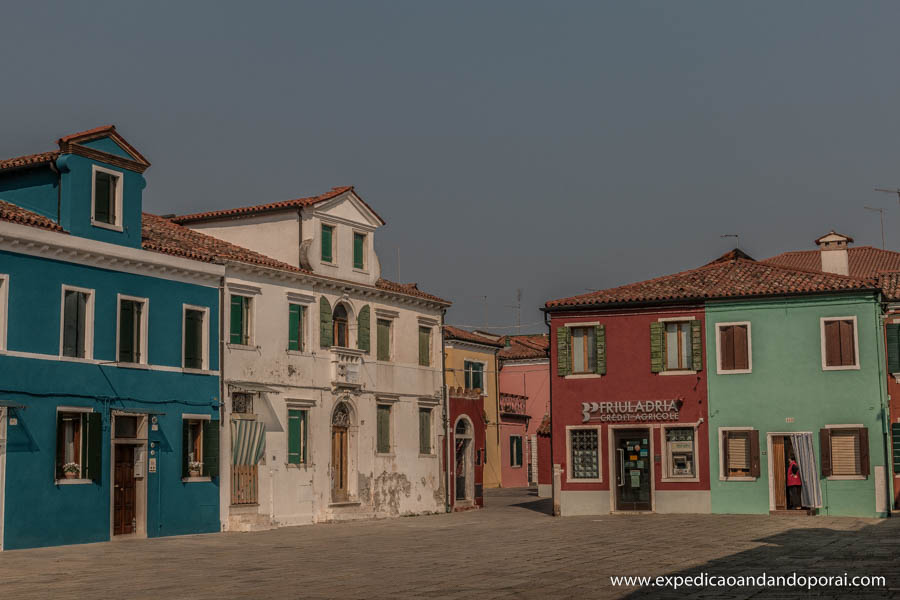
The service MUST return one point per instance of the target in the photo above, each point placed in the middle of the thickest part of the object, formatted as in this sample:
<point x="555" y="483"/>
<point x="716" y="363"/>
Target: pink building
<point x="524" y="401"/>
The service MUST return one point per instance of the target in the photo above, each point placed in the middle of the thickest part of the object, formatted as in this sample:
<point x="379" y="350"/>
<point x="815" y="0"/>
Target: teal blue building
<point x="109" y="374"/>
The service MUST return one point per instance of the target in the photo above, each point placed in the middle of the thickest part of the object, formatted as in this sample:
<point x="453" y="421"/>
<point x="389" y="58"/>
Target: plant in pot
<point x="195" y="468"/>
<point x="71" y="470"/>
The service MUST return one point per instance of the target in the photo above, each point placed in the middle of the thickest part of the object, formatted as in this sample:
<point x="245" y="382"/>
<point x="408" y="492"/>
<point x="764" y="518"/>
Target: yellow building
<point x="470" y="362"/>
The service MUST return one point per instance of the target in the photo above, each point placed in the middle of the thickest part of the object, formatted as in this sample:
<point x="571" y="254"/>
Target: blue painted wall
<point x="105" y="144"/>
<point x="37" y="511"/>
<point x="32" y="189"/>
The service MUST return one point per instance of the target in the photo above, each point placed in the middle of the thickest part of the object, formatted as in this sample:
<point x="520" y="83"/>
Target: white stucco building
<point x="332" y="375"/>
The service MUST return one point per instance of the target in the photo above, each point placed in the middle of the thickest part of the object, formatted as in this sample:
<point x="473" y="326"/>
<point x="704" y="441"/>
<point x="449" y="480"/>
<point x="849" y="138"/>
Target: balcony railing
<point x="513" y="405"/>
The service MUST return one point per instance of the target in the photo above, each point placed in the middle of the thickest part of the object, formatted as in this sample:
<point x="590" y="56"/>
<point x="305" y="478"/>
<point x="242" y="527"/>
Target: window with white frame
<point x="584" y="453"/>
<point x="297" y="436"/>
<point x="583" y="343"/>
<point x="195" y="345"/>
<point x="840" y="344"/>
<point x="77" y="322"/>
<point x="677" y="345"/>
<point x="132" y="333"/>
<point x="200" y="446"/>
<point x="733" y="347"/>
<point x="359" y="250"/>
<point x="78" y="444"/>
<point x="106" y="209"/>
<point x="474" y="375"/>
<point x="680" y="452"/>
<point x="296" y="327"/>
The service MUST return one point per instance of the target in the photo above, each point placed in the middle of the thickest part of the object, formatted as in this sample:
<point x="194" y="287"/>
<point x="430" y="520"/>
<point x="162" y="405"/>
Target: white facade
<point x="317" y="377"/>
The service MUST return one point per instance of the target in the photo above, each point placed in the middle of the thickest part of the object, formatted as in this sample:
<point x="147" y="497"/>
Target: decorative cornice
<point x="105" y="157"/>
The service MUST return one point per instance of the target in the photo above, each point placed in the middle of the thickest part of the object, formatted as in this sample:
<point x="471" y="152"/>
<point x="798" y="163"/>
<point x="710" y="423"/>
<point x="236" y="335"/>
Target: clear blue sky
<point x="552" y="147"/>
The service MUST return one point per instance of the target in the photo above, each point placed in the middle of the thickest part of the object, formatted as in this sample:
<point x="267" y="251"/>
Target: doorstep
<point x="347" y="503"/>
<point x="805" y="512"/>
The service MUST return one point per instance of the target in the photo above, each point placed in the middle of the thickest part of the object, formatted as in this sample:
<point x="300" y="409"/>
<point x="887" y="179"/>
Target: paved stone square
<point x="511" y="549"/>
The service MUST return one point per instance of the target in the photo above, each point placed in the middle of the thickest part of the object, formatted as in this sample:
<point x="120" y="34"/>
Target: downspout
<point x="497" y="403"/>
<point x="222" y="393"/>
<point x="445" y="397"/>
<point x="55" y="169"/>
<point x="885" y="410"/>
<point x="552" y="454"/>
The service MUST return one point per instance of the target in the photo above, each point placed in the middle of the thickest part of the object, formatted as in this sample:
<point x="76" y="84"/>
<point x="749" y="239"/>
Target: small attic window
<point x="106" y="199"/>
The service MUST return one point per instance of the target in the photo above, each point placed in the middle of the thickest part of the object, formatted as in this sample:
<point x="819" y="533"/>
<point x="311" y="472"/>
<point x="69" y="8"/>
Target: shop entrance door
<point x="124" y="493"/>
<point x="632" y="469"/>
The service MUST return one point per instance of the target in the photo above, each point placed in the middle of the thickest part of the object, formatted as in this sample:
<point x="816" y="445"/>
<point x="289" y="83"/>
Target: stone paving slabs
<point x="511" y="549"/>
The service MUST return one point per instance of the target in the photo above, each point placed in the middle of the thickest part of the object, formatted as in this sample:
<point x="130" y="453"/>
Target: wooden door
<point x="779" y="473"/>
<point x="339" y="463"/>
<point x="124" y="492"/>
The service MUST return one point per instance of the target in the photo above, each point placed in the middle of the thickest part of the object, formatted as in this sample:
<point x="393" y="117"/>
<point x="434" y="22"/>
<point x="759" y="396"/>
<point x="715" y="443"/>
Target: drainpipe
<point x="497" y="404"/>
<point x="222" y="306"/>
<point x="885" y="410"/>
<point x="55" y="169"/>
<point x="552" y="453"/>
<point x="446" y="401"/>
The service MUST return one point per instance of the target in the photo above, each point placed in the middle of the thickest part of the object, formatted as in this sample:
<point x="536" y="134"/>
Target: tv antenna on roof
<point x="737" y="243"/>
<point x="889" y="191"/>
<point x="880" y="212"/>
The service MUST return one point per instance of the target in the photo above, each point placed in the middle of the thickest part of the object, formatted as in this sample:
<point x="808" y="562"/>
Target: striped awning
<point x="248" y="441"/>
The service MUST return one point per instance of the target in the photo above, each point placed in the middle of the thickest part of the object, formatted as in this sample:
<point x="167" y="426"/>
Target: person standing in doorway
<point x="794" y="484"/>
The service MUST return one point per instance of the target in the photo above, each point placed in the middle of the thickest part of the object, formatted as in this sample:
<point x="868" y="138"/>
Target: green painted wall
<point x="787" y="381"/>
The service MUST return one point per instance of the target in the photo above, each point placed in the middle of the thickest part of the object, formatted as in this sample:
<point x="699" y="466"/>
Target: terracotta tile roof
<point x="525" y="346"/>
<point x="87" y="134"/>
<point x="17" y="214"/>
<point x="544" y="427"/>
<point x="455" y="333"/>
<point x="726" y="279"/>
<point x="890" y="285"/>
<point x="29" y="160"/>
<point x="864" y="261"/>
<point x="161" y="235"/>
<point x="410" y="289"/>
<point x="244" y="211"/>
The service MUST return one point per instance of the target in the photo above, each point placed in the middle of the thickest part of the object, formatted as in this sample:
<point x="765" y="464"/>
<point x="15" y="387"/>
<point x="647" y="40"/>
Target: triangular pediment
<point x="104" y="143"/>
<point x="350" y="208"/>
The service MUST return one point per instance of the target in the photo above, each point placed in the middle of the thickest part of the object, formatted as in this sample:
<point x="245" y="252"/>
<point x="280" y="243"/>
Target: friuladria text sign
<point x="641" y="410"/>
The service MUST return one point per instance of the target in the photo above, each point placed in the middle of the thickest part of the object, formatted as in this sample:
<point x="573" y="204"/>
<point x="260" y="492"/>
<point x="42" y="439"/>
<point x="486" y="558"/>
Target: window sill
<point x="246" y="347"/>
<point x="385" y="454"/>
<point x="680" y="480"/>
<point x="734" y="372"/>
<point x="73" y="481"/>
<point x="127" y="365"/>
<point x="297" y="353"/>
<point x="679" y="372"/>
<point x="328" y="264"/>
<point x="110" y="226"/>
<point x="738" y="478"/>
<point x="846" y="478"/>
<point x="845" y="368"/>
<point x="195" y="479"/>
<point x="515" y="466"/>
<point x="362" y="271"/>
<point x="583" y="376"/>
<point x="595" y="480"/>
<point x="77" y="359"/>
<point x="191" y="371"/>
<point x="301" y="466"/>
<point x="427" y="455"/>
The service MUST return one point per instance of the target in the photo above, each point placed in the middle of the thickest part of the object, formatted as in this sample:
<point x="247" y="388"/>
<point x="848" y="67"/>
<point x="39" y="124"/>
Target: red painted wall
<point x="628" y="378"/>
<point x="893" y="390"/>
<point x="473" y="408"/>
<point x="545" y="465"/>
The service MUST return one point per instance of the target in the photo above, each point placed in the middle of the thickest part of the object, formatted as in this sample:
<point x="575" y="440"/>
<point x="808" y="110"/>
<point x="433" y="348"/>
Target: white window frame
<point x="719" y="369"/>
<point x="4" y="313"/>
<point x="569" y="327"/>
<point x="204" y="332"/>
<point x="853" y="367"/>
<point x="860" y="477"/>
<point x="665" y="370"/>
<point x="88" y="323"/>
<point x="431" y="354"/>
<point x="722" y="472"/>
<point x="334" y="243"/>
<point x="69" y="409"/>
<point x="304" y="407"/>
<point x="666" y="475"/>
<point x="249" y="292"/>
<point x="365" y="234"/>
<point x="569" y="478"/>
<point x="120" y="183"/>
<point x="306" y="301"/>
<point x="484" y="372"/>
<point x="145" y="317"/>
<point x="195" y="417"/>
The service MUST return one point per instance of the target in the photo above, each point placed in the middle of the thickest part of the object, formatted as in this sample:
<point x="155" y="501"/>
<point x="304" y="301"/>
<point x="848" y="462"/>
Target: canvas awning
<point x="248" y="441"/>
<point x="263" y="409"/>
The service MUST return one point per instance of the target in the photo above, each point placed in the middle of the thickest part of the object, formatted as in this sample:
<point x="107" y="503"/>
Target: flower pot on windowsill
<point x="194" y="473"/>
<point x="71" y="475"/>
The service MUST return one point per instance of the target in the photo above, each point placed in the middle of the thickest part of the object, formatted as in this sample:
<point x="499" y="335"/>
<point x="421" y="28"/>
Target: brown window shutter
<point x="863" y="433"/>
<point x="724" y="448"/>
<point x="825" y="451"/>
<point x="741" y="348"/>
<point x="727" y="347"/>
<point x="754" y="453"/>
<point x="848" y="352"/>
<point x="832" y="344"/>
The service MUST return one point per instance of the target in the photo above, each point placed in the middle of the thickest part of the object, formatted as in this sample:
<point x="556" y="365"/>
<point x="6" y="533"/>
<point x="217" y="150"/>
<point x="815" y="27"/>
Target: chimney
<point x="833" y="252"/>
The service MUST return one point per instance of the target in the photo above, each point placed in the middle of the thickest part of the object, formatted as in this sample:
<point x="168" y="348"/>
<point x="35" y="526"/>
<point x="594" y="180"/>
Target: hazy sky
<point x="552" y="147"/>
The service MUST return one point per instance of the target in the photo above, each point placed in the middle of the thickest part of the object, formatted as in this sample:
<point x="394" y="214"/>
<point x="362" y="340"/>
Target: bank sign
<point x="642" y="410"/>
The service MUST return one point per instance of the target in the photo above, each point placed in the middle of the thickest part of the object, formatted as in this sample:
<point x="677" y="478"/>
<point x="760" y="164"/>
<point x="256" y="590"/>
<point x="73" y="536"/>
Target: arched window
<point x="462" y="427"/>
<point x="341" y="417"/>
<point x="341" y="331"/>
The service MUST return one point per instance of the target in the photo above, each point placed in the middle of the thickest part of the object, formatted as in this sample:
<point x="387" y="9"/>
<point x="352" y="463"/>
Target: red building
<point x="628" y="387"/>
<point x="467" y="443"/>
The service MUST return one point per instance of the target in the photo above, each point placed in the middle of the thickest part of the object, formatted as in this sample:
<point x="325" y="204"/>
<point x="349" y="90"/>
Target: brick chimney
<point x="833" y="252"/>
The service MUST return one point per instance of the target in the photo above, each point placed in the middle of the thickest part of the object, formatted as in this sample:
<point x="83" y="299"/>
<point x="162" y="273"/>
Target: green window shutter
<point x="294" y="326"/>
<point x="424" y="346"/>
<point x="657" y="339"/>
<point x="193" y="339"/>
<point x="126" y="332"/>
<point x="384" y="339"/>
<point x="359" y="241"/>
<point x="237" y="320"/>
<point x="327" y="231"/>
<point x="325" y="332"/>
<point x="94" y="443"/>
<point x="424" y="431"/>
<point x="600" y="338"/>
<point x="696" y="346"/>
<point x="562" y="351"/>
<point x="512" y="451"/>
<point x="362" y="332"/>
<point x="384" y="429"/>
<point x="103" y="198"/>
<point x="295" y="434"/>
<point x="210" y="448"/>
<point x="892" y="335"/>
